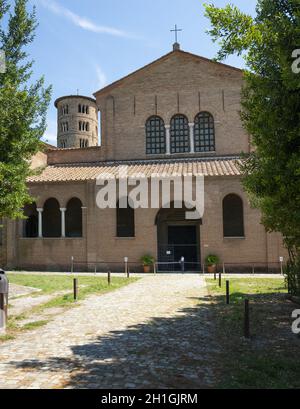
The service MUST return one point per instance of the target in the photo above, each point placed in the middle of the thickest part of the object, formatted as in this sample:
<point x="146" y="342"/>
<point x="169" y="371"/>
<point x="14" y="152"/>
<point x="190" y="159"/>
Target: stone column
<point x="192" y="141"/>
<point x="40" y="212"/>
<point x="168" y="140"/>
<point x="63" y="222"/>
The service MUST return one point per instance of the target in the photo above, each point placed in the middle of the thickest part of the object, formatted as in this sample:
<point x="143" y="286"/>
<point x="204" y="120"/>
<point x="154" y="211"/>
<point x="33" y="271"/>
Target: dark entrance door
<point x="183" y="241"/>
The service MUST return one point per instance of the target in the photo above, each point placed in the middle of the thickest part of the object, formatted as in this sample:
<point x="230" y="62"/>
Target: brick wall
<point x="178" y="84"/>
<point x="101" y="244"/>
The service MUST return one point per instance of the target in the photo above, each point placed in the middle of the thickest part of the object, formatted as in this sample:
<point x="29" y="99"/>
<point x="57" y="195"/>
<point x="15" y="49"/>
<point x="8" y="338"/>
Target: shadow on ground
<point x="200" y="347"/>
<point x="177" y="352"/>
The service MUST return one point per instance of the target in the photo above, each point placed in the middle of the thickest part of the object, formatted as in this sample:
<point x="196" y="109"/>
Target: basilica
<point x="179" y="114"/>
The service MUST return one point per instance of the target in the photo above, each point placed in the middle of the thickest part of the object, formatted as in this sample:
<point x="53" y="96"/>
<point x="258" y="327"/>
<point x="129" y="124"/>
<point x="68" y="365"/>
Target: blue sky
<point x="87" y="44"/>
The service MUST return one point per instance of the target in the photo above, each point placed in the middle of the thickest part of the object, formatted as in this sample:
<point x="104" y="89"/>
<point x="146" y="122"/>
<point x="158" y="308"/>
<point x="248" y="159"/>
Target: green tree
<point x="23" y="107"/>
<point x="270" y="106"/>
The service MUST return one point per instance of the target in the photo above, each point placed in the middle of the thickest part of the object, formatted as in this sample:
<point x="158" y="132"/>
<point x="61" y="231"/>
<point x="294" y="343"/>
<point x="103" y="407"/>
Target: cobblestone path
<point x="155" y="333"/>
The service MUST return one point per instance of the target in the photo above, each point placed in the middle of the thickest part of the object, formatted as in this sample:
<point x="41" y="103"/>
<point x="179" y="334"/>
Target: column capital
<point x="39" y="209"/>
<point x="62" y="209"/>
<point x="167" y="126"/>
<point x="191" y="124"/>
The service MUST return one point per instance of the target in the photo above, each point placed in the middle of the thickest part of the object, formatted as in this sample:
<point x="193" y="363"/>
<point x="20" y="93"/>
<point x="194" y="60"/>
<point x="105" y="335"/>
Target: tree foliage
<point x="23" y="107"/>
<point x="270" y="107"/>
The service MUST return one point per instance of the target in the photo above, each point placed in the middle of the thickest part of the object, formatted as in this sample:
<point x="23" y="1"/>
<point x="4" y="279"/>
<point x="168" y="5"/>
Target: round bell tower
<point x="77" y="122"/>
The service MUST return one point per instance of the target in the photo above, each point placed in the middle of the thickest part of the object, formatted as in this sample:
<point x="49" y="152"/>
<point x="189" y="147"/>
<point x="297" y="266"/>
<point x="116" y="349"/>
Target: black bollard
<point x="227" y="293"/>
<point x="109" y="277"/>
<point x="75" y="288"/>
<point x="220" y="280"/>
<point x="247" y="320"/>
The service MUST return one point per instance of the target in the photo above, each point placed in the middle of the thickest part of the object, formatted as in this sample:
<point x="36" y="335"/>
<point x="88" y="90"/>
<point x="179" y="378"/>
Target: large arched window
<point x="125" y="221"/>
<point x="233" y="216"/>
<point x="155" y="136"/>
<point x="30" y="225"/>
<point x="51" y="219"/>
<point x="204" y="132"/>
<point x="74" y="218"/>
<point x="180" y="134"/>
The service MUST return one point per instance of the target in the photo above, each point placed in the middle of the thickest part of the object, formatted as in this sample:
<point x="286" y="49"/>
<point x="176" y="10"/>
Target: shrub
<point x="212" y="259"/>
<point x="292" y="277"/>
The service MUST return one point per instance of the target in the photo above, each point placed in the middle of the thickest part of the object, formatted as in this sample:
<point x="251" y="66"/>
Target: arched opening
<point x="204" y="132"/>
<point x="155" y="136"/>
<point x="74" y="218"/>
<point x="51" y="219"/>
<point x="30" y="224"/>
<point x="177" y="237"/>
<point x="180" y="134"/>
<point x="125" y="221"/>
<point x="233" y="216"/>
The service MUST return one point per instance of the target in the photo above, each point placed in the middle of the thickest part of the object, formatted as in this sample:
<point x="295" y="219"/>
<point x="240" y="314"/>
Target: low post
<point x="224" y="269"/>
<point x="253" y="270"/>
<point x="75" y="288"/>
<point x="203" y="268"/>
<point x="247" y="320"/>
<point x="281" y="265"/>
<point x="126" y="267"/>
<point x="154" y="267"/>
<point x="182" y="264"/>
<point x="215" y="275"/>
<point x="72" y="264"/>
<point x="227" y="292"/>
<point x="109" y="278"/>
<point x="95" y="269"/>
<point x="220" y="279"/>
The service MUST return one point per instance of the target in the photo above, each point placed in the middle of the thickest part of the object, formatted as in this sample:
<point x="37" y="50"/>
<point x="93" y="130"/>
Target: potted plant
<point x="211" y="262"/>
<point x="147" y="262"/>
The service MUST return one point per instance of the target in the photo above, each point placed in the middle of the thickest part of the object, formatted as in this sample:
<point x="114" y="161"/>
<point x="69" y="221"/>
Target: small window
<point x="64" y="126"/>
<point x="125" y="221"/>
<point x="84" y="143"/>
<point x="233" y="216"/>
<point x="65" y="109"/>
<point x="79" y="109"/>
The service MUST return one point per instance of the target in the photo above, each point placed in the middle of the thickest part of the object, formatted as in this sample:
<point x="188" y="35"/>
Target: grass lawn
<point x="269" y="358"/>
<point x="50" y="284"/>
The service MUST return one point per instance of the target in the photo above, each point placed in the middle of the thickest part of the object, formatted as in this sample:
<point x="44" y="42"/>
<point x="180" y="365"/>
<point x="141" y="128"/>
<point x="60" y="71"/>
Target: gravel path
<point x="155" y="333"/>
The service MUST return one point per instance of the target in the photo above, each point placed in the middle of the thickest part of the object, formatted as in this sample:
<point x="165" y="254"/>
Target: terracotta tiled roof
<point x="90" y="171"/>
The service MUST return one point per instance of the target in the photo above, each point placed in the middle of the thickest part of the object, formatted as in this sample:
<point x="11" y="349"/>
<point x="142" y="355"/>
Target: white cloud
<point x="82" y="22"/>
<point x="101" y="77"/>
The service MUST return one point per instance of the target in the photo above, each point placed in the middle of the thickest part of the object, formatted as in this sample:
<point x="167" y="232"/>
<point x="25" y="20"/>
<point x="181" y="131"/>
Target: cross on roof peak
<point x="176" y="31"/>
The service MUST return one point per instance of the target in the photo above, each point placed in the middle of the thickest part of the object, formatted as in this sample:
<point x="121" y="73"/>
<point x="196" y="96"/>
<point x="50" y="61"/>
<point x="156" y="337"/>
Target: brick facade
<point x="177" y="83"/>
